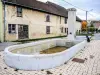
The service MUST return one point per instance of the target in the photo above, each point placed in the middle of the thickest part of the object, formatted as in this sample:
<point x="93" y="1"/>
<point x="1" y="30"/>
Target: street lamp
<point x="87" y="14"/>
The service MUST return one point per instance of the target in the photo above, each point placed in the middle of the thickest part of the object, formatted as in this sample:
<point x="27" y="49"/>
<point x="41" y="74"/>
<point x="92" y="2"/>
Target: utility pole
<point x="86" y="15"/>
<point x="86" y="22"/>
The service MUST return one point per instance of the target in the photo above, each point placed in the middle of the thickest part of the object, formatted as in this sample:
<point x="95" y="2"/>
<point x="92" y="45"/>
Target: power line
<point x="73" y="5"/>
<point x="91" y="15"/>
<point x="79" y="8"/>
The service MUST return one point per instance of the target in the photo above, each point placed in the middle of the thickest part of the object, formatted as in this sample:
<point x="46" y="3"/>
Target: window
<point x="47" y="29"/>
<point x="60" y="19"/>
<point x="11" y="28"/>
<point x="47" y="18"/>
<point x="65" y="20"/>
<point x="61" y="29"/>
<point x="23" y="31"/>
<point x="19" y="12"/>
<point x="65" y="30"/>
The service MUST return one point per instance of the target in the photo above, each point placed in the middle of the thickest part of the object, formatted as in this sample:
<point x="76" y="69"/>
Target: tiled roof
<point x="57" y="9"/>
<point x="48" y="7"/>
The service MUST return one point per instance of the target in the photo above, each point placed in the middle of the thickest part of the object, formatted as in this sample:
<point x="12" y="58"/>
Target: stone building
<point x="31" y="19"/>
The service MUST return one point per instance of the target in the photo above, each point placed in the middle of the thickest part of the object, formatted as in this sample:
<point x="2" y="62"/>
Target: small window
<point x="48" y="18"/>
<point x="47" y="29"/>
<point x="60" y="19"/>
<point x="61" y="29"/>
<point x="65" y="20"/>
<point x="19" y="12"/>
<point x="11" y="28"/>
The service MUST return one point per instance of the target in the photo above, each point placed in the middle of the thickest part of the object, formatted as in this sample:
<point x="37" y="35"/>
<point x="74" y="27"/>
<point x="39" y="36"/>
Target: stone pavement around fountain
<point x="91" y="66"/>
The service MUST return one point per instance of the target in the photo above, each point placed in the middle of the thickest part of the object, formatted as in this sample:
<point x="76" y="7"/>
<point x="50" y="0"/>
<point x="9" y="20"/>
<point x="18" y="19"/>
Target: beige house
<point x="31" y="19"/>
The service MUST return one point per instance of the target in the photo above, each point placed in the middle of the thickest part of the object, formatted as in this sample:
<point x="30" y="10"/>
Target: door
<point x="22" y="31"/>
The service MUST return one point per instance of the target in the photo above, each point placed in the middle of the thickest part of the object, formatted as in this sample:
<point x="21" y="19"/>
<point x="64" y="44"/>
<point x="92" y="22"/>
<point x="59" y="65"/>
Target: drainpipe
<point x="4" y="21"/>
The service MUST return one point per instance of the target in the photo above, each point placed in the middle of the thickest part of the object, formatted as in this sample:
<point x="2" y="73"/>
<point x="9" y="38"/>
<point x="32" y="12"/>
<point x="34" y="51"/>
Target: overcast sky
<point x="83" y="4"/>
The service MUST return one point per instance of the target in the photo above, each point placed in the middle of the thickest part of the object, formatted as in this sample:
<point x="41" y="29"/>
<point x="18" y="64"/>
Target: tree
<point x="92" y="25"/>
<point x="84" y="26"/>
<point x="91" y="28"/>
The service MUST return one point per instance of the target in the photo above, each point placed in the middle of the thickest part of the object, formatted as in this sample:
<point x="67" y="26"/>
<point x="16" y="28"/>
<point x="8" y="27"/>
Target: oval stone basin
<point x="41" y="54"/>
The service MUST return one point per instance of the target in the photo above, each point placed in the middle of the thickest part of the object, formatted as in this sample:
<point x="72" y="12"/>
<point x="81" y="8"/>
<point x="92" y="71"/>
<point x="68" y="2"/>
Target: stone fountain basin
<point x="22" y="59"/>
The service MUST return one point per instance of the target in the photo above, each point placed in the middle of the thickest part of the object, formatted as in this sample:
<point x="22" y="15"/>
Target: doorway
<point x="22" y="31"/>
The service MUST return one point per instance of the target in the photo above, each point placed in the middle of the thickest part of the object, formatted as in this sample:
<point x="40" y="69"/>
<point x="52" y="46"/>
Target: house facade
<point x="96" y="24"/>
<point x="31" y="19"/>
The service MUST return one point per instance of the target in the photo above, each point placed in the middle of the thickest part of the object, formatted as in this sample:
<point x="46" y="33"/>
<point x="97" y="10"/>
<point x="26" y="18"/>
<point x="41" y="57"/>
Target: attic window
<point x="60" y="19"/>
<point x="19" y="12"/>
<point x="48" y="18"/>
<point x="65" y="20"/>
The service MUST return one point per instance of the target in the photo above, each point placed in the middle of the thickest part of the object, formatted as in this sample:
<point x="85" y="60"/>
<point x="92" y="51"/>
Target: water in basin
<point x="28" y="51"/>
<point x="53" y="50"/>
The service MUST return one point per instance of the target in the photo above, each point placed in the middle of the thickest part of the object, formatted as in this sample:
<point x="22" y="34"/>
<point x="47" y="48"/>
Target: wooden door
<point x="22" y="31"/>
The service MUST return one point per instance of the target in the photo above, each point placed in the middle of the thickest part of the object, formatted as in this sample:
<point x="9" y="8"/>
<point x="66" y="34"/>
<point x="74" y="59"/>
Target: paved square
<point x="91" y="66"/>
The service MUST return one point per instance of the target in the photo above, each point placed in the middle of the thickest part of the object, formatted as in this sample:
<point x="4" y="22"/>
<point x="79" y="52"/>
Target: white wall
<point x="78" y="26"/>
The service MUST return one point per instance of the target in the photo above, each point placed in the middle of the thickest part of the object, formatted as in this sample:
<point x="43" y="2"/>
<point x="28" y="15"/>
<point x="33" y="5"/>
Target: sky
<point x="93" y="6"/>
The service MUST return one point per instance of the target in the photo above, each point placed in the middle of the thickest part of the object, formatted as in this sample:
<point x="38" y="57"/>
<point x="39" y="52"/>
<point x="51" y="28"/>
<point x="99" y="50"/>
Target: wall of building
<point x="36" y="21"/>
<point x="97" y="25"/>
<point x="78" y="25"/>
<point x="1" y="22"/>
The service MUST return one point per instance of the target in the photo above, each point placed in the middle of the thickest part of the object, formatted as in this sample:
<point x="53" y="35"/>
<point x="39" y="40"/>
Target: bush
<point x="91" y="29"/>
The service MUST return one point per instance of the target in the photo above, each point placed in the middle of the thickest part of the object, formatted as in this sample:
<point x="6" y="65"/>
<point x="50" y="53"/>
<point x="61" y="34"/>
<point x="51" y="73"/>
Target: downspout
<point x="4" y="22"/>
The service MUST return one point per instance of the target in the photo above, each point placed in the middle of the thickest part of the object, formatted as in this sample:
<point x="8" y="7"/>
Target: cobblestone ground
<point x="91" y="66"/>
